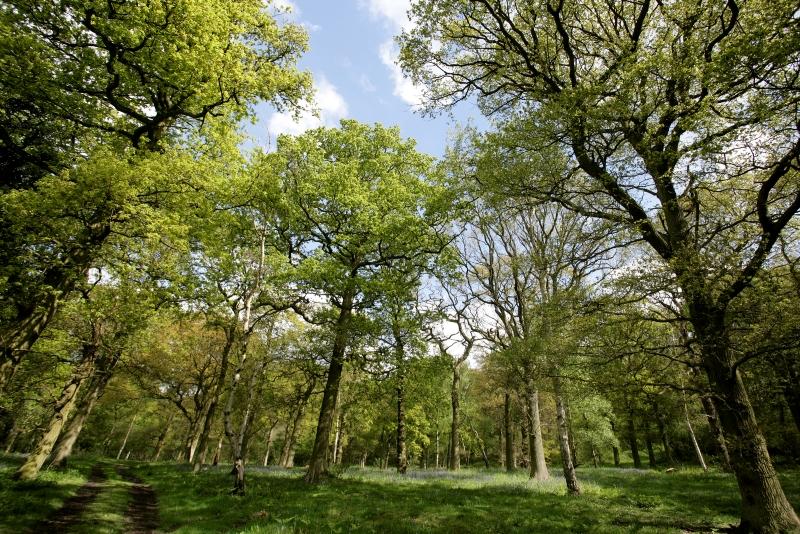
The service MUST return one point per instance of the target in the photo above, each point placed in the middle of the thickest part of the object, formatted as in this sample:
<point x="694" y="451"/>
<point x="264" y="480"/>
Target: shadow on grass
<point x="614" y="500"/>
<point x="23" y="505"/>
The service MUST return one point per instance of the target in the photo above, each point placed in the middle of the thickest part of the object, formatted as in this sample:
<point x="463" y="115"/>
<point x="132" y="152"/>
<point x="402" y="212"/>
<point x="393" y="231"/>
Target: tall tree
<point x="643" y="106"/>
<point x="358" y="203"/>
<point x="131" y="76"/>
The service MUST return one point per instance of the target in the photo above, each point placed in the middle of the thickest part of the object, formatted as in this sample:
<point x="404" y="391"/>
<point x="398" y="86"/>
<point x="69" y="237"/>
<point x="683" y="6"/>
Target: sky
<point x="352" y="59"/>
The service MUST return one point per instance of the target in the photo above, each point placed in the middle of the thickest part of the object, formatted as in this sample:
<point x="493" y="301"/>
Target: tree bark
<point x="318" y="462"/>
<point x="270" y="437"/>
<point x="509" y="433"/>
<point x="162" y="438"/>
<point x="633" y="441"/>
<point x="716" y="431"/>
<point x="614" y="448"/>
<point x="63" y="407"/>
<point x="563" y="440"/>
<point x="695" y="445"/>
<point x="454" y="455"/>
<point x="765" y="507"/>
<point x="290" y="439"/>
<point x="402" y="453"/>
<point x="662" y="430"/>
<point x="538" y="464"/>
<point x="651" y="455"/>
<point x="208" y="421"/>
<point x="99" y="379"/>
<point x="127" y="435"/>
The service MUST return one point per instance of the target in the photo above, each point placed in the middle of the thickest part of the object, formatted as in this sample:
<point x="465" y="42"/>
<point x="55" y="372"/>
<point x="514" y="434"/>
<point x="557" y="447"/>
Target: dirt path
<point x="71" y="511"/>
<point x="141" y="517"/>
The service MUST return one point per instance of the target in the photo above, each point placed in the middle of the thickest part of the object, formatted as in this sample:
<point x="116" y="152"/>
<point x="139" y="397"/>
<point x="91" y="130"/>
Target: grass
<point x="370" y="500"/>
<point x="22" y="504"/>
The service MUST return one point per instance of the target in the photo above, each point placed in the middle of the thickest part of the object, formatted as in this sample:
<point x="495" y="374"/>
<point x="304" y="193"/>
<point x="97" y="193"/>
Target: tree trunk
<point x="614" y="448"/>
<point x="208" y="422"/>
<point x="696" y="445"/>
<point x="63" y="448"/>
<point x="339" y="442"/>
<point x="402" y="455"/>
<point x="218" y="452"/>
<point x="270" y="437"/>
<point x="127" y="435"/>
<point x="63" y="407"/>
<point x="97" y="385"/>
<point x="238" y="477"/>
<point x="573" y="448"/>
<point x="563" y="440"/>
<point x="538" y="464"/>
<point x="765" y="507"/>
<point x="716" y="431"/>
<point x="162" y="438"/>
<point x="437" y="447"/>
<point x="633" y="441"/>
<point x="21" y="332"/>
<point x="662" y="430"/>
<point x="454" y="455"/>
<point x="509" y="433"/>
<point x="651" y="455"/>
<point x="318" y="462"/>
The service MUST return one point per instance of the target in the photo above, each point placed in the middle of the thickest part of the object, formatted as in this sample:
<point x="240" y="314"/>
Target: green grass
<point x="371" y="500"/>
<point x="23" y="504"/>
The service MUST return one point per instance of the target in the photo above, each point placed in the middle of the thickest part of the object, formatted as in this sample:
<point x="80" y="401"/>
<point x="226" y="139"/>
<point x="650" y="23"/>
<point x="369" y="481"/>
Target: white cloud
<point x="393" y="12"/>
<point x="330" y="106"/>
<point x="404" y="88"/>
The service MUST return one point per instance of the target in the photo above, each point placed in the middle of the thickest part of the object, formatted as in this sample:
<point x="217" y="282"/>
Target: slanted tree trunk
<point x="31" y="318"/>
<point x="765" y="507"/>
<point x="208" y="421"/>
<point x="127" y="435"/>
<point x="509" y="433"/>
<point x="162" y="438"/>
<point x="538" y="464"/>
<point x="454" y="455"/>
<point x="218" y="451"/>
<point x="287" y="453"/>
<point x="696" y="445"/>
<point x="270" y="437"/>
<point x="716" y="431"/>
<point x="318" y="462"/>
<point x="63" y="407"/>
<point x="563" y="440"/>
<point x="100" y="377"/>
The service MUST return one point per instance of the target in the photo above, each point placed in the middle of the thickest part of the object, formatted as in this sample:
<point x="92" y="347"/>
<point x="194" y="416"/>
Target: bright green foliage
<point x="134" y="70"/>
<point x="359" y="203"/>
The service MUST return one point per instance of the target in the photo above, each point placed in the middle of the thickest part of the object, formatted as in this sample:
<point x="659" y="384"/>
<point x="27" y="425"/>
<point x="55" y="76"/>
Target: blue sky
<point x="352" y="60"/>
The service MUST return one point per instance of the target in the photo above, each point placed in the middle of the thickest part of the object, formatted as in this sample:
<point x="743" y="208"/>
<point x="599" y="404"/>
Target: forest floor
<point x="106" y="496"/>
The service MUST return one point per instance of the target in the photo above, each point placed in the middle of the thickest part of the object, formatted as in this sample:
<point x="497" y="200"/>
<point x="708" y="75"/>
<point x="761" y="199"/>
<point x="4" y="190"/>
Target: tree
<point x="125" y="78"/>
<point x="627" y="112"/>
<point x="358" y="204"/>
